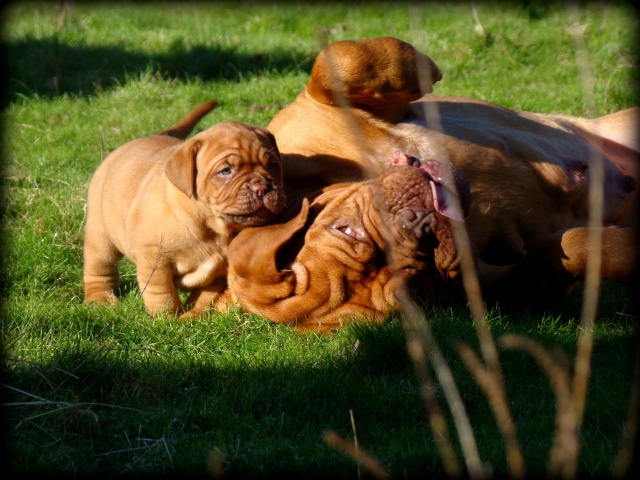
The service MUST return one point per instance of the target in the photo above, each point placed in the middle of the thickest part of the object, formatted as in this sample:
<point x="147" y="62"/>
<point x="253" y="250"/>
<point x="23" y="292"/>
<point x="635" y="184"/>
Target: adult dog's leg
<point x="619" y="252"/>
<point x="559" y="263"/>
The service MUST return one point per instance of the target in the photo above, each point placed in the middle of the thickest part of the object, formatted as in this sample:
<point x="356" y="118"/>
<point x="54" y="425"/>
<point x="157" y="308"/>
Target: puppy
<point x="352" y="249"/>
<point x="172" y="206"/>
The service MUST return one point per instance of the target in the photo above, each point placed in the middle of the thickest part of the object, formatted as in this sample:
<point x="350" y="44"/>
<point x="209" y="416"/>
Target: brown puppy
<point x="172" y="206"/>
<point x="529" y="173"/>
<point x="351" y="250"/>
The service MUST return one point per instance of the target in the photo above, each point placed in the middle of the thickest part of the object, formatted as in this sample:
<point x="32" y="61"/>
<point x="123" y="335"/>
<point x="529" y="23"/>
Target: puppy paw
<point x="100" y="296"/>
<point x="190" y="314"/>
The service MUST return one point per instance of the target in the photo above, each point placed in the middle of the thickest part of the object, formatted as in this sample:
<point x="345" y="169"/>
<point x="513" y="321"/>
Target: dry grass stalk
<point x="470" y="278"/>
<point x="419" y="330"/>
<point x="499" y="404"/>
<point x="428" y="390"/>
<point x="473" y="292"/>
<point x="622" y="463"/>
<point x="469" y="447"/>
<point x="563" y="458"/>
<point x="592" y="280"/>
<point x="355" y="437"/>
<point x="359" y="455"/>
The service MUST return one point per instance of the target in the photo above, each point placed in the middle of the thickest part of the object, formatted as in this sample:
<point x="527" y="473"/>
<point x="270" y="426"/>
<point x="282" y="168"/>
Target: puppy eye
<point x="348" y="231"/>
<point x="273" y="166"/>
<point x="224" y="172"/>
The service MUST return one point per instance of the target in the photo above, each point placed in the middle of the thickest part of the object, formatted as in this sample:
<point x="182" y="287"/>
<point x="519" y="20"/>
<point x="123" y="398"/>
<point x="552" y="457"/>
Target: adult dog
<point x="529" y="177"/>
<point x="172" y="206"/>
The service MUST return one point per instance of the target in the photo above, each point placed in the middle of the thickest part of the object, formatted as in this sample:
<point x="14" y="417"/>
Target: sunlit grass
<point x="116" y="391"/>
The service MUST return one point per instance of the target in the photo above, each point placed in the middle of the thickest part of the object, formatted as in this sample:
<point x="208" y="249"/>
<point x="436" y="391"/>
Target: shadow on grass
<point x="129" y="408"/>
<point x="266" y="415"/>
<point x="48" y="68"/>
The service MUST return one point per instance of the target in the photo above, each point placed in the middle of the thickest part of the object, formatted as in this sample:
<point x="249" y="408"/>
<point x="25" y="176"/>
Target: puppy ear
<point x="272" y="138"/>
<point x="253" y="255"/>
<point x="181" y="169"/>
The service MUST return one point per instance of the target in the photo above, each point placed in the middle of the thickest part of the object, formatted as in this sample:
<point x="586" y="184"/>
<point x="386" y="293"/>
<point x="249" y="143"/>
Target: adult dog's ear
<point x="380" y="75"/>
<point x="181" y="167"/>
<point x="253" y="256"/>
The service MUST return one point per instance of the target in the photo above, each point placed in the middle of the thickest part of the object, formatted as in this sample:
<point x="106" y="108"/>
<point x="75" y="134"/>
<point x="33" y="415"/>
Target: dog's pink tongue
<point x="441" y="197"/>
<point x="443" y="203"/>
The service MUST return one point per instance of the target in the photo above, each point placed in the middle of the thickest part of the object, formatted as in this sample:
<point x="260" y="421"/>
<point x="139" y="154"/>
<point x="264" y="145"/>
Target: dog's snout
<point x="259" y="186"/>
<point x="413" y="223"/>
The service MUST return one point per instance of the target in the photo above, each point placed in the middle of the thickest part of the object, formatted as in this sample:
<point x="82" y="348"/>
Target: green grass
<point x="114" y="391"/>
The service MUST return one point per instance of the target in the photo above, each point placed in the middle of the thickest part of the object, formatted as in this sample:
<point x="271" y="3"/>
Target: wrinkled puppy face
<point x="235" y="170"/>
<point x="352" y="248"/>
<point x="402" y="216"/>
<point x="421" y="199"/>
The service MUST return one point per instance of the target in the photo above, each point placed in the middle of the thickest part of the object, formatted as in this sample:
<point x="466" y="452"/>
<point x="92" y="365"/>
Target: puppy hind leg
<point x="100" y="276"/>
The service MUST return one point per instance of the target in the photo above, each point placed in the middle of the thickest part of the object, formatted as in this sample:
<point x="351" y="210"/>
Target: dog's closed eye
<point x="352" y="232"/>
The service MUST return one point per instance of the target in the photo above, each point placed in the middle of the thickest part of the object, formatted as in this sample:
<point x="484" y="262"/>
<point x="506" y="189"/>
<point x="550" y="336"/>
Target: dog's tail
<point x="184" y="127"/>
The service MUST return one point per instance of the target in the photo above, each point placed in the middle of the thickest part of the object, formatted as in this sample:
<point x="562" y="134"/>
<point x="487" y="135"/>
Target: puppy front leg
<point x="157" y="288"/>
<point x="204" y="297"/>
<point x="342" y="315"/>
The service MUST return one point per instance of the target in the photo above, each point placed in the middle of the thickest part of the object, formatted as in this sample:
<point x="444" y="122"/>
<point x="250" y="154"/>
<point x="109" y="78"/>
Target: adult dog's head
<point x="234" y="169"/>
<point x="351" y="249"/>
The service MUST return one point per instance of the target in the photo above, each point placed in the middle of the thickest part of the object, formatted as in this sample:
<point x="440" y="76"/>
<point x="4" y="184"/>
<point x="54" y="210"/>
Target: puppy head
<point x="380" y="75"/>
<point x="354" y="244"/>
<point x="232" y="169"/>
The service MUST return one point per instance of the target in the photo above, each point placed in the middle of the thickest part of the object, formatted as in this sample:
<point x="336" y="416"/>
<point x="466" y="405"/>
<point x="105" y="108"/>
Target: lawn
<point x="112" y="391"/>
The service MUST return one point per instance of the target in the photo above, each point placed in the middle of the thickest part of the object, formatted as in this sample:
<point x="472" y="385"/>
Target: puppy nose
<point x="259" y="186"/>
<point x="413" y="223"/>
